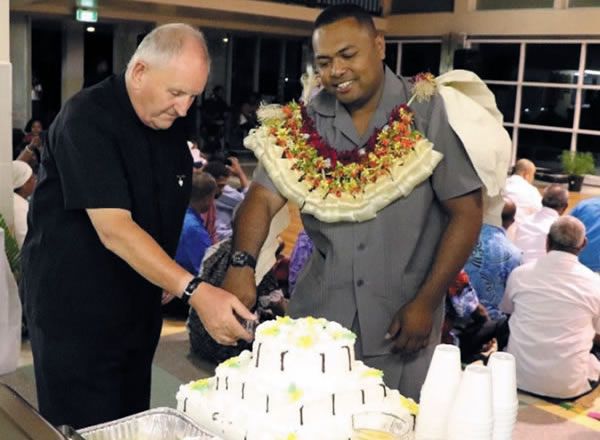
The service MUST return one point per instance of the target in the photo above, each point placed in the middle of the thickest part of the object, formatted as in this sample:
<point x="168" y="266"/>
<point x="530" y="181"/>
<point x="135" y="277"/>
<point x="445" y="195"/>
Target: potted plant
<point x="576" y="165"/>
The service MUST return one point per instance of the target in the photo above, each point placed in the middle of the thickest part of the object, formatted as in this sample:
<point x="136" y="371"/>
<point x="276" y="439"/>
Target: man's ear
<point x="138" y="71"/>
<point x="380" y="45"/>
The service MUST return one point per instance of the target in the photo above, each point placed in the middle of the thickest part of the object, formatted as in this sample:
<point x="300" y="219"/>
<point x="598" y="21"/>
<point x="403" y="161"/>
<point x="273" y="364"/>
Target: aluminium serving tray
<point x="154" y="424"/>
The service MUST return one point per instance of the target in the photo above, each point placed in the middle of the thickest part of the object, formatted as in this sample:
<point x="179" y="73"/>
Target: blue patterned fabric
<point x="491" y="262"/>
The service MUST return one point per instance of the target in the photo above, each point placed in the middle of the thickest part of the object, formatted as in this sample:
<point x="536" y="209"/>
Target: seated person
<point x="493" y="258"/>
<point x="520" y="190"/>
<point x="303" y="249"/>
<point x="554" y="304"/>
<point x="270" y="302"/>
<point x="228" y="197"/>
<point x="23" y="181"/>
<point x="531" y="233"/>
<point x="588" y="211"/>
<point x="468" y="324"/>
<point x="194" y="238"/>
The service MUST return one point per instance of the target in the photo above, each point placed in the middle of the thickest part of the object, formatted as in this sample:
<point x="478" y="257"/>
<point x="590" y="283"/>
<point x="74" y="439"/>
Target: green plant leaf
<point x="11" y="247"/>
<point x="578" y="163"/>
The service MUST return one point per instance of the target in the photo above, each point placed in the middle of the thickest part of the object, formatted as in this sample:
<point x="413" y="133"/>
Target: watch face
<point x="242" y="259"/>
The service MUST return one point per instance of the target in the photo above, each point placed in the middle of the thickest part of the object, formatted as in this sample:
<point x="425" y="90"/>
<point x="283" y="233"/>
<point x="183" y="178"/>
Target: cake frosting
<point x="300" y="381"/>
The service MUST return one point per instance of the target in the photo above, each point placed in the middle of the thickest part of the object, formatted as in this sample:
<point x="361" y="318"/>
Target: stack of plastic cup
<point x="438" y="393"/>
<point x="472" y="416"/>
<point x="505" y="401"/>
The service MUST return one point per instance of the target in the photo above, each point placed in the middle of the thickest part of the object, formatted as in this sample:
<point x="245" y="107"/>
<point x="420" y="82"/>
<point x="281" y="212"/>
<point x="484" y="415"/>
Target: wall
<point x="6" y="194"/>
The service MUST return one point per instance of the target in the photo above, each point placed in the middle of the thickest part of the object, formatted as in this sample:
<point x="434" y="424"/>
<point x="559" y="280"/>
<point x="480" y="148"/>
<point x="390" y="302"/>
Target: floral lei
<point x="350" y="185"/>
<point x="337" y="172"/>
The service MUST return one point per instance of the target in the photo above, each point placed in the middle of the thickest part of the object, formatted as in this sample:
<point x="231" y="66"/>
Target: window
<point x="547" y="90"/>
<point x="583" y="3"/>
<point x="514" y="4"/>
<point x="415" y="56"/>
<point x="418" y="6"/>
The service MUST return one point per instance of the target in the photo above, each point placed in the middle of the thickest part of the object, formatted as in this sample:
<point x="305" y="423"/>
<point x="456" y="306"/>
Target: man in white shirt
<point x="554" y="304"/>
<point x="520" y="190"/>
<point x="530" y="235"/>
<point x="23" y="184"/>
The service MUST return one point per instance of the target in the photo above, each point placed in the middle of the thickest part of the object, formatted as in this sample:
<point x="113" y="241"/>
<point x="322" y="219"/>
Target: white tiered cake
<point x="301" y="381"/>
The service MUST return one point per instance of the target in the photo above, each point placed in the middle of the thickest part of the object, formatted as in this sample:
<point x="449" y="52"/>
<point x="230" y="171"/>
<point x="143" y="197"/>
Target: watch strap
<point x="190" y="289"/>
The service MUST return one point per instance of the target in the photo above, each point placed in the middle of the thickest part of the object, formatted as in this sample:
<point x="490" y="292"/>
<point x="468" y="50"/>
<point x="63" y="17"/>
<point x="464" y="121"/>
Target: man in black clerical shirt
<point x="103" y="228"/>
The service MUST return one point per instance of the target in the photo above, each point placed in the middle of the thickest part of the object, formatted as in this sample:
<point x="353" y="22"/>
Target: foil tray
<point x="154" y="424"/>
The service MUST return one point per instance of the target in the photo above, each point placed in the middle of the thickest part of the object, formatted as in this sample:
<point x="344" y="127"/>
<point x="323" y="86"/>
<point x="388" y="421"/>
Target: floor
<point x="173" y="365"/>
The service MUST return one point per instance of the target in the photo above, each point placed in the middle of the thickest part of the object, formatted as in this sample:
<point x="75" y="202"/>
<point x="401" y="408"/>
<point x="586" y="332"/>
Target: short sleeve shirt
<point x="376" y="266"/>
<point x="100" y="155"/>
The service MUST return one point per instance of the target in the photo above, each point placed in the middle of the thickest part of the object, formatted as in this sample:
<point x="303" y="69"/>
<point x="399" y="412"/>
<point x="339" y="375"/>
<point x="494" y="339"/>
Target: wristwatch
<point x="190" y="289"/>
<point x="241" y="259"/>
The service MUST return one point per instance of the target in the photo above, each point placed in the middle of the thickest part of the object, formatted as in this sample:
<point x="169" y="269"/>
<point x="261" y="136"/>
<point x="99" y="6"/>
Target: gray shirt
<point x="374" y="267"/>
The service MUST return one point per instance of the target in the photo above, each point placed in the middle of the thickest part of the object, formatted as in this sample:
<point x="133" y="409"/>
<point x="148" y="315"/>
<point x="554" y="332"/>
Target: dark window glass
<point x="270" y="56"/>
<point x="514" y="4"/>
<point x="586" y="142"/>
<point x="510" y="131"/>
<point x="557" y="63"/>
<point x="420" y="57"/>
<point x="97" y="54"/>
<point x="490" y="61"/>
<point x="547" y="106"/>
<point x="505" y="99"/>
<point x="543" y="147"/>
<point x="46" y="48"/>
<point x="293" y="71"/>
<point x="592" y="64"/>
<point x="590" y="110"/>
<point x="391" y="56"/>
<point x="242" y="68"/>
<point x="415" y="6"/>
<point x="583" y="3"/>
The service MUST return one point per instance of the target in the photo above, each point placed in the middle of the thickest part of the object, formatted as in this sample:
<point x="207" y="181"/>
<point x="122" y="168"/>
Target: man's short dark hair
<point x="555" y="197"/>
<point x="203" y="186"/>
<point x="336" y="13"/>
<point x="217" y="169"/>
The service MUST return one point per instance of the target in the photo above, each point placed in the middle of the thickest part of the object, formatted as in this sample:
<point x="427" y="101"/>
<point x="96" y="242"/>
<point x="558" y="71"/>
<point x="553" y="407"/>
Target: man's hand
<point x="219" y="312"/>
<point x="411" y="327"/>
<point x="235" y="167"/>
<point x="236" y="170"/>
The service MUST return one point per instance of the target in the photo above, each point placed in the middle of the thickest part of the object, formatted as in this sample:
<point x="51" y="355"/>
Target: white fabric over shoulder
<point x="475" y="118"/>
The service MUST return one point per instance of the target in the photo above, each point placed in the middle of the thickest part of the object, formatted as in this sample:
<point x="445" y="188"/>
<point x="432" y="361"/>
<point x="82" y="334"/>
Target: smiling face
<point x="349" y="58"/>
<point x="162" y="93"/>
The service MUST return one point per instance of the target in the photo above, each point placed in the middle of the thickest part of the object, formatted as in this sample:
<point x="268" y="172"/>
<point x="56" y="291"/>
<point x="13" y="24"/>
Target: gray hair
<point x="567" y="233"/>
<point x="165" y="42"/>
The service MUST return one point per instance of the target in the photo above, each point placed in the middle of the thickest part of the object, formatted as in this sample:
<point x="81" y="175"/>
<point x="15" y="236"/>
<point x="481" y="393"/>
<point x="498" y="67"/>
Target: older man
<point x="104" y="225"/>
<point x="520" y="190"/>
<point x="554" y="304"/>
<point x="530" y="235"/>
<point x="385" y="277"/>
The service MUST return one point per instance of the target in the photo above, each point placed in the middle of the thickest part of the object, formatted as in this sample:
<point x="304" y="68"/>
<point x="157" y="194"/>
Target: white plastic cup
<point x="474" y="396"/>
<point x="504" y="380"/>
<point x="445" y="366"/>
